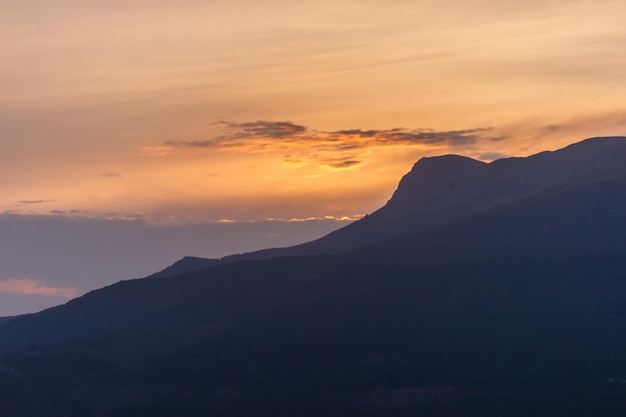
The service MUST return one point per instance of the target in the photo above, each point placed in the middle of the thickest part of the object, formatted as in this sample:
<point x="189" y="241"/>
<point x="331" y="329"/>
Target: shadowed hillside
<point x="514" y="309"/>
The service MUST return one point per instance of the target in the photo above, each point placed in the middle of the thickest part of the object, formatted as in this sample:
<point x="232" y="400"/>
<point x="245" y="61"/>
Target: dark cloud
<point x="359" y="132"/>
<point x="551" y="128"/>
<point x="237" y="134"/>
<point x="242" y="134"/>
<point x="497" y="138"/>
<point x="193" y="143"/>
<point x="292" y="160"/>
<point x="404" y="136"/>
<point x="263" y="129"/>
<point x="423" y="137"/>
<point x="335" y="149"/>
<point x="26" y="202"/>
<point x="343" y="164"/>
<point x="110" y="175"/>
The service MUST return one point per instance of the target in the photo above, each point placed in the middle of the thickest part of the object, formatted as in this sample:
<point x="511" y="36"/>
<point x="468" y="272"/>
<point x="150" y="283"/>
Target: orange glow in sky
<point x="196" y="111"/>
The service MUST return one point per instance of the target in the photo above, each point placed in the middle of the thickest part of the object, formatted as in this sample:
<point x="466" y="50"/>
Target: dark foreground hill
<point x="514" y="310"/>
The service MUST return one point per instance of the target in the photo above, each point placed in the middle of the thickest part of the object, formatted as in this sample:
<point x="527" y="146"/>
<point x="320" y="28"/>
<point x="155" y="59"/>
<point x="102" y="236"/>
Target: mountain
<point x="186" y="264"/>
<point x="514" y="307"/>
<point x="569" y="222"/>
<point x="439" y="190"/>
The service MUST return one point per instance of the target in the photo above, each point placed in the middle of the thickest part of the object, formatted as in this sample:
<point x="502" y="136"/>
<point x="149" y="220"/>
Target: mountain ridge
<point x="440" y="189"/>
<point x="514" y="310"/>
<point x="550" y="219"/>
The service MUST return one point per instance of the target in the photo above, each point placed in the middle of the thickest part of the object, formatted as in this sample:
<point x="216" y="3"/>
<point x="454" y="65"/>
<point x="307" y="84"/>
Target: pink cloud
<point x="35" y="287"/>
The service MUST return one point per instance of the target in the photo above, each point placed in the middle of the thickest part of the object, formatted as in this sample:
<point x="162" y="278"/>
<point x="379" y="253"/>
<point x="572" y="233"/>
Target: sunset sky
<point x="168" y="114"/>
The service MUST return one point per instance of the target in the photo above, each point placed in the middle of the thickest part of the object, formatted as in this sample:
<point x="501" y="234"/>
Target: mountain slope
<point x="582" y="217"/>
<point x="513" y="311"/>
<point x="516" y="309"/>
<point x="441" y="189"/>
<point x="579" y="221"/>
<point x="186" y="264"/>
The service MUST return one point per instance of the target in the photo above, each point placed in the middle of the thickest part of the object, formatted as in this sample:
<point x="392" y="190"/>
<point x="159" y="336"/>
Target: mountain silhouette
<point x="442" y="189"/>
<point x="509" y="301"/>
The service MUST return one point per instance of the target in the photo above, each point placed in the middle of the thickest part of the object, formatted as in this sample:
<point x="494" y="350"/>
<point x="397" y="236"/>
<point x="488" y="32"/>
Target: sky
<point x="256" y="123"/>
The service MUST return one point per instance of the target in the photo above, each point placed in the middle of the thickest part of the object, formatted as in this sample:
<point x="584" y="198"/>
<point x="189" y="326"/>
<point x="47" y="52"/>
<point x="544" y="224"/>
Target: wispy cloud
<point x="110" y="175"/>
<point x="338" y="149"/>
<point x="602" y="124"/>
<point x="339" y="163"/>
<point x="310" y="219"/>
<point x="158" y="150"/>
<point x="35" y="287"/>
<point x="28" y="202"/>
<point x="256" y="134"/>
<point x="412" y="136"/>
<point x="78" y="214"/>
<point x="345" y="218"/>
<point x="533" y="135"/>
<point x="263" y="129"/>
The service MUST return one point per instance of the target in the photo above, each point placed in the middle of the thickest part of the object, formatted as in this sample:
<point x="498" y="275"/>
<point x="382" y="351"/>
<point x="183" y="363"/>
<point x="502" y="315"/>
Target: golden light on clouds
<point x="200" y="111"/>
